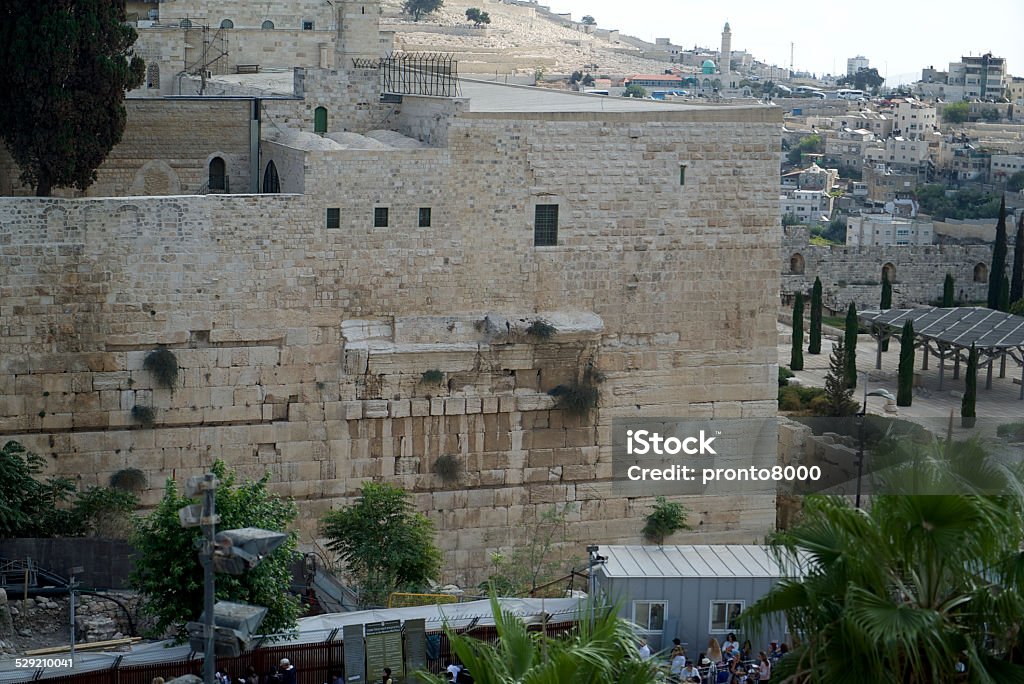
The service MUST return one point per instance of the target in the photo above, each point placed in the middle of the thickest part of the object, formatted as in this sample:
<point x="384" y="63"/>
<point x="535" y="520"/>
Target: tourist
<point x="453" y="671"/>
<point x="747" y="650"/>
<point x="731" y="647"/>
<point x="712" y="669"/>
<point x="715" y="651"/>
<point x="287" y="671"/>
<point x="645" y="650"/>
<point x="677" y="649"/>
<point x="764" y="667"/>
<point x="689" y="672"/>
<point x="676" y="665"/>
<point x="386" y="679"/>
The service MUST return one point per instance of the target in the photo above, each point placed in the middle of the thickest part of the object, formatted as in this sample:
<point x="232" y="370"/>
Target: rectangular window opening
<point x="334" y="217"/>
<point x="424" y="221"/>
<point x="649" y="616"/>
<point x="724" y="616"/>
<point x="380" y="217"/>
<point x="682" y="174"/>
<point x="545" y="225"/>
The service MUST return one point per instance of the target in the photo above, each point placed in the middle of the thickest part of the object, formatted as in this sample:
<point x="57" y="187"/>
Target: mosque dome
<point x="708" y="67"/>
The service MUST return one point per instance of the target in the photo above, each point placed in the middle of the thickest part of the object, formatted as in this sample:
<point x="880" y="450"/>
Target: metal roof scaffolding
<point x="951" y="332"/>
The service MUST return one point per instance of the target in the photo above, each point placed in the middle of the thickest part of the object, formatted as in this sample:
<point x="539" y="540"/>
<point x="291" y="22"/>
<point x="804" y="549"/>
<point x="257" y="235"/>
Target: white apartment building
<point x="879" y="124"/>
<point x="880" y="230"/>
<point x="982" y="77"/>
<point x="808" y="206"/>
<point x="913" y="118"/>
<point x="1003" y="166"/>
<point x="855" y="64"/>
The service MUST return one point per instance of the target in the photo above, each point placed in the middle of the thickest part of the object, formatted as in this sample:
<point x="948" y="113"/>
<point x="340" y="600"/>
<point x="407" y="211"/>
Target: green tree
<point x="167" y="570"/>
<point x="956" y="112"/>
<point x="796" y="356"/>
<point x="385" y="544"/>
<point x="905" y="386"/>
<point x="536" y="562"/>
<point x="634" y="90"/>
<point x="1017" y="275"/>
<point x="850" y="345"/>
<point x="814" y="346"/>
<point x="1015" y="183"/>
<point x="420" y="8"/>
<point x="897" y="593"/>
<point x="1004" y="295"/>
<point x="811" y="144"/>
<point x="107" y="512"/>
<point x="864" y="79"/>
<point x="64" y="70"/>
<point x="947" y="290"/>
<point x="997" y="272"/>
<point x="30" y="507"/>
<point x="967" y="404"/>
<point x="602" y="653"/>
<point x="1017" y="308"/>
<point x="666" y="518"/>
<point x="838" y="396"/>
<point x="588" y="20"/>
<point x="990" y="114"/>
<point x="479" y="18"/>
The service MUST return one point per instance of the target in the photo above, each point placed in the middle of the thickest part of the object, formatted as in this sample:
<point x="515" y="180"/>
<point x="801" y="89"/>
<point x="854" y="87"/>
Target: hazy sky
<point x="898" y="37"/>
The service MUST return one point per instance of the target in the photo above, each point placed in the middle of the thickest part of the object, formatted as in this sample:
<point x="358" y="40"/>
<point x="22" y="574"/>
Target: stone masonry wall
<point x="166" y="150"/>
<point x="302" y="349"/>
<point x="855" y="273"/>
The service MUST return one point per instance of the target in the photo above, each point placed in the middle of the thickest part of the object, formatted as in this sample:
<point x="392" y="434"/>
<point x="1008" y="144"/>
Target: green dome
<point x="708" y="67"/>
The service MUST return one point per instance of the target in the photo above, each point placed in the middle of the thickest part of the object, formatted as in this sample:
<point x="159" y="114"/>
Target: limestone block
<point x="375" y="409"/>
<point x="474" y="404"/>
<point x="352" y="410"/>
<point x="437" y="407"/>
<point x="507" y="404"/>
<point x="534" y="402"/>
<point x="400" y="409"/>
<point x="490" y="405"/>
<point x="454" y="407"/>
<point x="419" y="407"/>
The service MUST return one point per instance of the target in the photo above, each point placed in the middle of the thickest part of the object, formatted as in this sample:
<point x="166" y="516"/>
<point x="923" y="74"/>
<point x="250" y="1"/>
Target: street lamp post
<point x="861" y="419"/>
<point x="72" y="585"/>
<point x="593" y="560"/>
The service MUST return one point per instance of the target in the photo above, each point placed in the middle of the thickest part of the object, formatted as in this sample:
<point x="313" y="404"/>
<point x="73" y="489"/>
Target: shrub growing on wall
<point x="163" y="364"/>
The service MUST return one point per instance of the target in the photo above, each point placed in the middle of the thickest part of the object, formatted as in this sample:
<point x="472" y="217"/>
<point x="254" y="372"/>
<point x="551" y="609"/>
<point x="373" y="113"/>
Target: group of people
<point x="726" y="662"/>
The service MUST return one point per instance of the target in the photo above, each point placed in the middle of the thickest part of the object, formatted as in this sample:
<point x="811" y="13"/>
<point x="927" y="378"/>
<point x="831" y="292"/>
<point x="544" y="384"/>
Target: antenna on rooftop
<point x="791" y="59"/>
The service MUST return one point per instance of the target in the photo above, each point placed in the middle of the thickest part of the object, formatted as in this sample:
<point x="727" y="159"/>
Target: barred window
<point x="545" y="225"/>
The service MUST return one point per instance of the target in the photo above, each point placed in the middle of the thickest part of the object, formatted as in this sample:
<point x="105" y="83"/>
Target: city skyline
<point x="823" y="41"/>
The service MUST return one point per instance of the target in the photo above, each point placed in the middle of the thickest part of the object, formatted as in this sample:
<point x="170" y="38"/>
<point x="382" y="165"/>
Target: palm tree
<point x="604" y="652"/>
<point x="901" y="592"/>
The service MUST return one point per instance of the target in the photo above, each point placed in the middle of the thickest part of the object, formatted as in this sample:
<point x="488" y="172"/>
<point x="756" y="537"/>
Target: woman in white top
<point x="731" y="646"/>
<point x="764" y="667"/>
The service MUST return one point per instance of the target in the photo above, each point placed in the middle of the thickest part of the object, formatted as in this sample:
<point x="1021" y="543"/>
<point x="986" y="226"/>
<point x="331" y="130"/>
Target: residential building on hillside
<point x="847" y="148"/>
<point x="876" y="230"/>
<point x="812" y="178"/>
<point x="808" y="206"/>
<point x="913" y="118"/>
<point x="1002" y="166"/>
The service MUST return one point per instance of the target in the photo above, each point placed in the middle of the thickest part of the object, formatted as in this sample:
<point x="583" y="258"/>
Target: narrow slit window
<point x="682" y="174"/>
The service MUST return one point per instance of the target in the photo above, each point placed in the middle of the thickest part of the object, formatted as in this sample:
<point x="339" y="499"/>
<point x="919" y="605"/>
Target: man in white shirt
<point x="453" y="671"/>
<point x="645" y="650"/>
<point x="689" y="671"/>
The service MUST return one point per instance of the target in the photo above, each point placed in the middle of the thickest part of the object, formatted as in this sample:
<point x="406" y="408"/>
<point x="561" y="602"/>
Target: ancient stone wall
<point x="166" y="150"/>
<point x="855" y="273"/>
<point x="303" y="350"/>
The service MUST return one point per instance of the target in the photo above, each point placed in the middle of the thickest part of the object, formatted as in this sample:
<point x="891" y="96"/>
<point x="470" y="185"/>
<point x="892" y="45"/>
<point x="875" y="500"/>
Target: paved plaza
<point x="932" y="407"/>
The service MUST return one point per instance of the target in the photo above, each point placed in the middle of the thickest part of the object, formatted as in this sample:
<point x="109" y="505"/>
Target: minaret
<point x="725" y="58"/>
<point x="358" y="33"/>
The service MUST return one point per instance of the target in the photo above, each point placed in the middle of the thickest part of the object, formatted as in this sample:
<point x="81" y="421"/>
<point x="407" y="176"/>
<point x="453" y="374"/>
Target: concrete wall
<point x="302" y="349"/>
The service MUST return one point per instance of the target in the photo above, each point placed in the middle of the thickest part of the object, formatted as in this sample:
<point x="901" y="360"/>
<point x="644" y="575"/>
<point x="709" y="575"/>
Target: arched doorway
<point x="271" y="181"/>
<point x="796" y="264"/>
<point x="889" y="272"/>
<point x="218" y="175"/>
<point x="981" y="273"/>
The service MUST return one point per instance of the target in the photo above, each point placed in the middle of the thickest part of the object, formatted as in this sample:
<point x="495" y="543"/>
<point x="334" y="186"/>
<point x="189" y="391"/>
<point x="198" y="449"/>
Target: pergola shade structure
<point x="951" y="332"/>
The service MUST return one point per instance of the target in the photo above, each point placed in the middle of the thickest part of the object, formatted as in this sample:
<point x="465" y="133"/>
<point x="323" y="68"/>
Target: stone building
<point x="369" y="310"/>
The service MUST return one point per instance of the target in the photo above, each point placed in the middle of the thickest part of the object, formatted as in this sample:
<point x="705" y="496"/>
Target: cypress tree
<point x="796" y="358"/>
<point x="905" y="391"/>
<point x="1017" y="279"/>
<point x="850" y="346"/>
<point x="998" y="270"/>
<point x="886" y="301"/>
<point x="839" y="396"/>
<point x="1004" y="296"/>
<point x="814" y="346"/>
<point x="967" y="405"/>
<point x="947" y="291"/>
